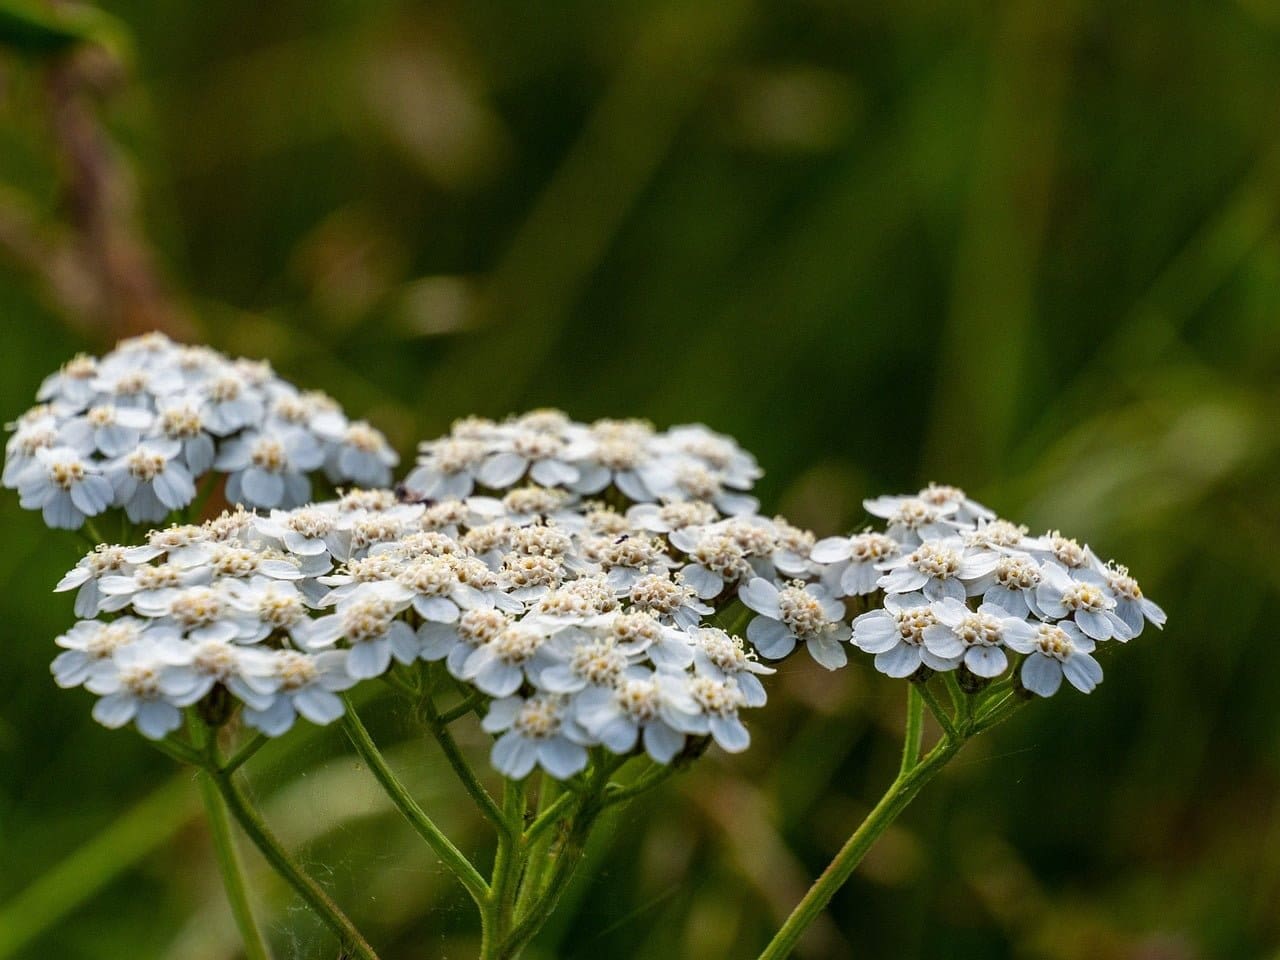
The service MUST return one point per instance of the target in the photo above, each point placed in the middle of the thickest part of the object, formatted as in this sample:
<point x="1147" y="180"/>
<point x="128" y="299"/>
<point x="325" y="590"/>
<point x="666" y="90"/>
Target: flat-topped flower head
<point x="937" y="568"/>
<point x="1055" y="650"/>
<point x="576" y="578"/>
<point x="1132" y="606"/>
<point x="535" y="732"/>
<point x="911" y="520"/>
<point x="1087" y="600"/>
<point x="723" y="656"/>
<point x="65" y="487"/>
<point x="795" y="613"/>
<point x="154" y="420"/>
<point x="548" y="448"/>
<point x="851" y="563"/>
<point x="965" y="510"/>
<point x="975" y="637"/>
<point x="896" y="635"/>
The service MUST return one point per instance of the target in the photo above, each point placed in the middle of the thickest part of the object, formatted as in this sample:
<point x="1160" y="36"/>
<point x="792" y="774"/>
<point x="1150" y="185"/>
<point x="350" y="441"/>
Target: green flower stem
<point x="458" y="711"/>
<point x="422" y="824"/>
<point x="179" y="751"/>
<point x="959" y="700"/>
<point x="939" y="712"/>
<point x="94" y="531"/>
<point x="548" y="813"/>
<point x="563" y="858"/>
<point x="508" y="863"/>
<point x="621" y="793"/>
<point x="900" y="793"/>
<point x="400" y="686"/>
<point x="998" y="713"/>
<point x="205" y="741"/>
<point x="915" y="729"/>
<point x="463" y="769"/>
<point x="275" y="854"/>
<point x="233" y="879"/>
<point x="241" y="756"/>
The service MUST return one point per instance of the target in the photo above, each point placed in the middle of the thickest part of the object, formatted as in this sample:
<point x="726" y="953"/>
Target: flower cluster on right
<point x="965" y="590"/>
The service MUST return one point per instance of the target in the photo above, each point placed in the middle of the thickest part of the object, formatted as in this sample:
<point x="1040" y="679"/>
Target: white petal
<point x="761" y="596"/>
<point x="1082" y="671"/>
<point x="260" y="488"/>
<point x="561" y="758"/>
<point x="1041" y="674"/>
<point x="501" y="470"/>
<point x="828" y="652"/>
<point x="730" y="734"/>
<point x="900" y="661"/>
<point x="513" y="756"/>
<point x="831" y="550"/>
<point x="115" y="710"/>
<point x="984" y="661"/>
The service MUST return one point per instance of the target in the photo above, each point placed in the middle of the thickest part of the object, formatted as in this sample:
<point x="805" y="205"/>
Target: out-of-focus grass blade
<point x="144" y="828"/>
<point x="41" y="31"/>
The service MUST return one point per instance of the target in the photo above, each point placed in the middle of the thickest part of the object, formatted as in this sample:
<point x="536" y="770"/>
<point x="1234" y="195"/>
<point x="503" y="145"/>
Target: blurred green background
<point x="1030" y="249"/>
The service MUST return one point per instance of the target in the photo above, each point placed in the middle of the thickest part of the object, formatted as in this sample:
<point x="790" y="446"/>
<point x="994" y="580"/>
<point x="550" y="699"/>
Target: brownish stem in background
<point x="127" y="294"/>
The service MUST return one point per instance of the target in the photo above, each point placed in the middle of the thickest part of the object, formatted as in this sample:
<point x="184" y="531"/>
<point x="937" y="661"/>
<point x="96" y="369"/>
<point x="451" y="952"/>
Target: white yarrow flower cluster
<point x="964" y="590"/>
<point x="545" y="447"/>
<point x="594" y="586"/>
<point x="575" y="625"/>
<point x="138" y="428"/>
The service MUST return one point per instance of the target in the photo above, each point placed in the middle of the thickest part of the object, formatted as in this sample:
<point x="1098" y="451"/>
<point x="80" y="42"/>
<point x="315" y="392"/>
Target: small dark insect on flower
<point x="405" y="495"/>
<point x="625" y="536"/>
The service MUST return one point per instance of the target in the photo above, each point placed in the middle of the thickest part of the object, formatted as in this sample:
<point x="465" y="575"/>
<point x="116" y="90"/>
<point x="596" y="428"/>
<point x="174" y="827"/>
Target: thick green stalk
<point x="275" y="854"/>
<point x="233" y="879"/>
<point x="915" y="729"/>
<point x="422" y="824"/>
<point x="553" y="805"/>
<point x="900" y="793"/>
<point x="568" y="853"/>
<point x="204" y="746"/>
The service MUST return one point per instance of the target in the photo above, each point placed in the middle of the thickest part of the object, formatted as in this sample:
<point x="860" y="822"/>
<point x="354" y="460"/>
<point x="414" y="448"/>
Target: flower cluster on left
<point x="139" y="428"/>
